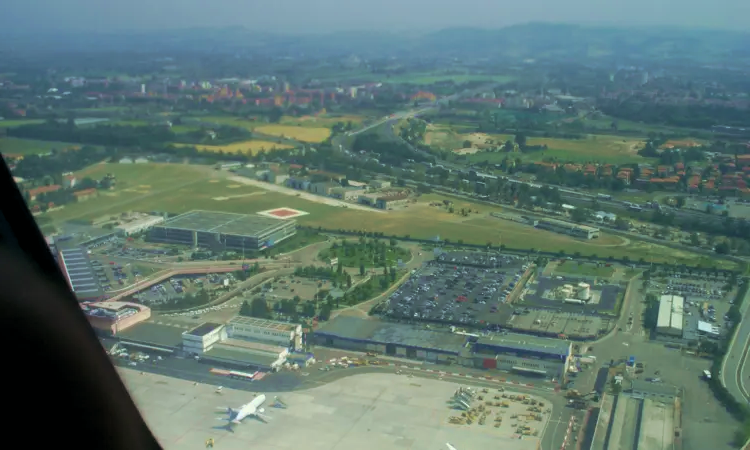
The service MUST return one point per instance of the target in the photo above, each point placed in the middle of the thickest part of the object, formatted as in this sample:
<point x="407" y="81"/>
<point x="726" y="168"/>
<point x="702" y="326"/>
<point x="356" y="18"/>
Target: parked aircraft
<point x="249" y="409"/>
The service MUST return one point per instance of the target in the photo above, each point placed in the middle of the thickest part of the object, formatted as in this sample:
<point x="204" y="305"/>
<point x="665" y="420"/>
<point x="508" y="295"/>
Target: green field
<point x="585" y="269"/>
<point x="180" y="188"/>
<point x="19" y="122"/>
<point x="17" y="146"/>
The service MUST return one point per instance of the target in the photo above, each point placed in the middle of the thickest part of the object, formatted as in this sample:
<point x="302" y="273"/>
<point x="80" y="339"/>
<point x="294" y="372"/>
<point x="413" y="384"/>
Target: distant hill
<point x="534" y="40"/>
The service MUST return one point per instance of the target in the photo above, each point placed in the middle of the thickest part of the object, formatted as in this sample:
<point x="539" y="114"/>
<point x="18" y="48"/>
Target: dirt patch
<point x="213" y="181"/>
<point x="466" y="151"/>
<point x="234" y="186"/>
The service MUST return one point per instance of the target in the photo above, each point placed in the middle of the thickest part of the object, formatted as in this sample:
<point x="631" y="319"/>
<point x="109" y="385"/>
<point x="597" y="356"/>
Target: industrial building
<point x="212" y="342"/>
<point x="573" y="229"/>
<point x="76" y="266"/>
<point x="636" y="422"/>
<point x="526" y="354"/>
<point x="578" y="294"/>
<point x="111" y="318"/>
<point x="669" y="321"/>
<point x="272" y="332"/>
<point x="223" y="231"/>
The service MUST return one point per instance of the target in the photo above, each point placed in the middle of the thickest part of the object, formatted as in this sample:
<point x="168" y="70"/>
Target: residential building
<point x="33" y="193"/>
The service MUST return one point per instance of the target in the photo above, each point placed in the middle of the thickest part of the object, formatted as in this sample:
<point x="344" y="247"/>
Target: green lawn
<point x="17" y="146"/>
<point x="19" y="122"/>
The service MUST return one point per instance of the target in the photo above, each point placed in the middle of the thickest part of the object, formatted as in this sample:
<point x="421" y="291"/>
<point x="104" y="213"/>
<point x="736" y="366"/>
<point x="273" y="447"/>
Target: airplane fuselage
<point x="250" y="409"/>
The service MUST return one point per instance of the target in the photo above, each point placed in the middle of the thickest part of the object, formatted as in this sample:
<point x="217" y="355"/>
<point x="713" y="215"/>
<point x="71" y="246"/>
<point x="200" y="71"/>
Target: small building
<point x="324" y="188"/>
<point x="380" y="184"/>
<point x="573" y="229"/>
<point x="347" y="193"/>
<point x="139" y="225"/>
<point x="86" y="194"/>
<point x="391" y="201"/>
<point x="368" y="199"/>
<point x="33" y="193"/>
<point x="202" y="338"/>
<point x="669" y="321"/>
<point x="272" y="175"/>
<point x="301" y="183"/>
<point x="708" y="330"/>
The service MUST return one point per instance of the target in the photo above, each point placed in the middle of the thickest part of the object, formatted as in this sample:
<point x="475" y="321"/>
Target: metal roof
<point x="263" y="323"/>
<point x="152" y="333"/>
<point x="203" y="329"/>
<point x="260" y="360"/>
<point x="670" y="312"/>
<point x="526" y="343"/>
<point x="80" y="274"/>
<point x="375" y="331"/>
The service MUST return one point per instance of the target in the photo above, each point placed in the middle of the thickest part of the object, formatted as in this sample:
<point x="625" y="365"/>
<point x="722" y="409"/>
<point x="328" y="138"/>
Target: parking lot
<point x="181" y="285"/>
<point x="459" y="288"/>
<point x="112" y="276"/>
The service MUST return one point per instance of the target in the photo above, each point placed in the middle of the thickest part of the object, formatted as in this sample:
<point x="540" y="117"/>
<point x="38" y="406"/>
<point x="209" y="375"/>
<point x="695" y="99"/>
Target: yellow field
<point x="251" y="147"/>
<point x="304" y="134"/>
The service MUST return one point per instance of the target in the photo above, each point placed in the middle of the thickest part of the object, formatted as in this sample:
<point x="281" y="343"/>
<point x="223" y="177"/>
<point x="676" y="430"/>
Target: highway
<point x="734" y="370"/>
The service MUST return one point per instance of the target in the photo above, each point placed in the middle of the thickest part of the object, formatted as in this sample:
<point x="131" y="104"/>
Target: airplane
<point x="249" y="409"/>
<point x="450" y="447"/>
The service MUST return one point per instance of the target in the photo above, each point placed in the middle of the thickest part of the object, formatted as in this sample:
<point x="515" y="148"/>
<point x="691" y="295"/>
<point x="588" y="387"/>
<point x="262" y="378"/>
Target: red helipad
<point x="283" y="213"/>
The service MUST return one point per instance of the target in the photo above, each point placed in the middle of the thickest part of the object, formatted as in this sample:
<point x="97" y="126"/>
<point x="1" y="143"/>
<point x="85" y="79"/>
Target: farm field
<point x="252" y="146"/>
<point x="320" y="121"/>
<point x="181" y="188"/>
<point x="19" y="122"/>
<point x="303" y="134"/>
<point x="18" y="146"/>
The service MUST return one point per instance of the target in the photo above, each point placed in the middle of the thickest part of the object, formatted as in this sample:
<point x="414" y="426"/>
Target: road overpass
<point x="734" y="374"/>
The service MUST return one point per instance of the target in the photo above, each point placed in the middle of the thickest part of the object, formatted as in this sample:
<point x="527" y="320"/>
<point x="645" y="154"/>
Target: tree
<point x="361" y="269"/>
<point x="259" y="308"/>
<point x="245" y="309"/>
<point x="325" y="312"/>
<point x="722" y="248"/>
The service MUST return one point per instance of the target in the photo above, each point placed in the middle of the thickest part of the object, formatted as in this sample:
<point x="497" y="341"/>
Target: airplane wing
<point x="450" y="447"/>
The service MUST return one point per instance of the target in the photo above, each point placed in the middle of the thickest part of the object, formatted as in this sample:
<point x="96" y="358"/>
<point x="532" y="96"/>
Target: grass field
<point x="240" y="122"/>
<point x="303" y="134"/>
<point x="585" y="269"/>
<point x="252" y="146"/>
<point x="181" y="188"/>
<point x="19" y="122"/>
<point x="17" y="146"/>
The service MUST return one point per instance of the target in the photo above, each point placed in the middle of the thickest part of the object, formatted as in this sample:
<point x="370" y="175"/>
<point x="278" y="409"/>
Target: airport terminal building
<point x="223" y="231"/>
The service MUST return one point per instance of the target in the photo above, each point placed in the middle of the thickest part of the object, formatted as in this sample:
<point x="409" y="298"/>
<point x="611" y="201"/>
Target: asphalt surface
<point x="734" y="372"/>
<point x="198" y="372"/>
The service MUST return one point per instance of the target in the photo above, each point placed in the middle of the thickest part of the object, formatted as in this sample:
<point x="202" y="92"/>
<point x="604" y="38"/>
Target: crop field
<point x="17" y="146"/>
<point x="303" y="134"/>
<point x="252" y="146"/>
<point x="320" y="121"/>
<point x="19" y="122"/>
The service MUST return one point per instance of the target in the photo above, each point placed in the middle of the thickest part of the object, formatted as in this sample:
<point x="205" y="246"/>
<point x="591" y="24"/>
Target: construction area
<point x="516" y="416"/>
<point x="637" y="422"/>
<point x="548" y="323"/>
<point x="366" y="411"/>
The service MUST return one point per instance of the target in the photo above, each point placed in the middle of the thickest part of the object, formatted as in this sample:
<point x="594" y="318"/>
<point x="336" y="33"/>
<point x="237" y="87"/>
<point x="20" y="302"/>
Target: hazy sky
<point x="299" y="16"/>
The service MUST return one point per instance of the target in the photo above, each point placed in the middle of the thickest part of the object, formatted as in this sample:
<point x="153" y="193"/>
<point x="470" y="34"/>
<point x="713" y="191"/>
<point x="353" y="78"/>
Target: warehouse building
<point x="634" y="422"/>
<point x="573" y="229"/>
<point x="353" y="333"/>
<point x="203" y="337"/>
<point x="283" y="334"/>
<point x="525" y="354"/>
<point x="670" y="318"/>
<point x="223" y="231"/>
<point x="110" y="318"/>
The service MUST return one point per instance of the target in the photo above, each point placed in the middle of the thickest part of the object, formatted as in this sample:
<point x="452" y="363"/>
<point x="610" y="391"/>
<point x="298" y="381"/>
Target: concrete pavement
<point x="734" y="373"/>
